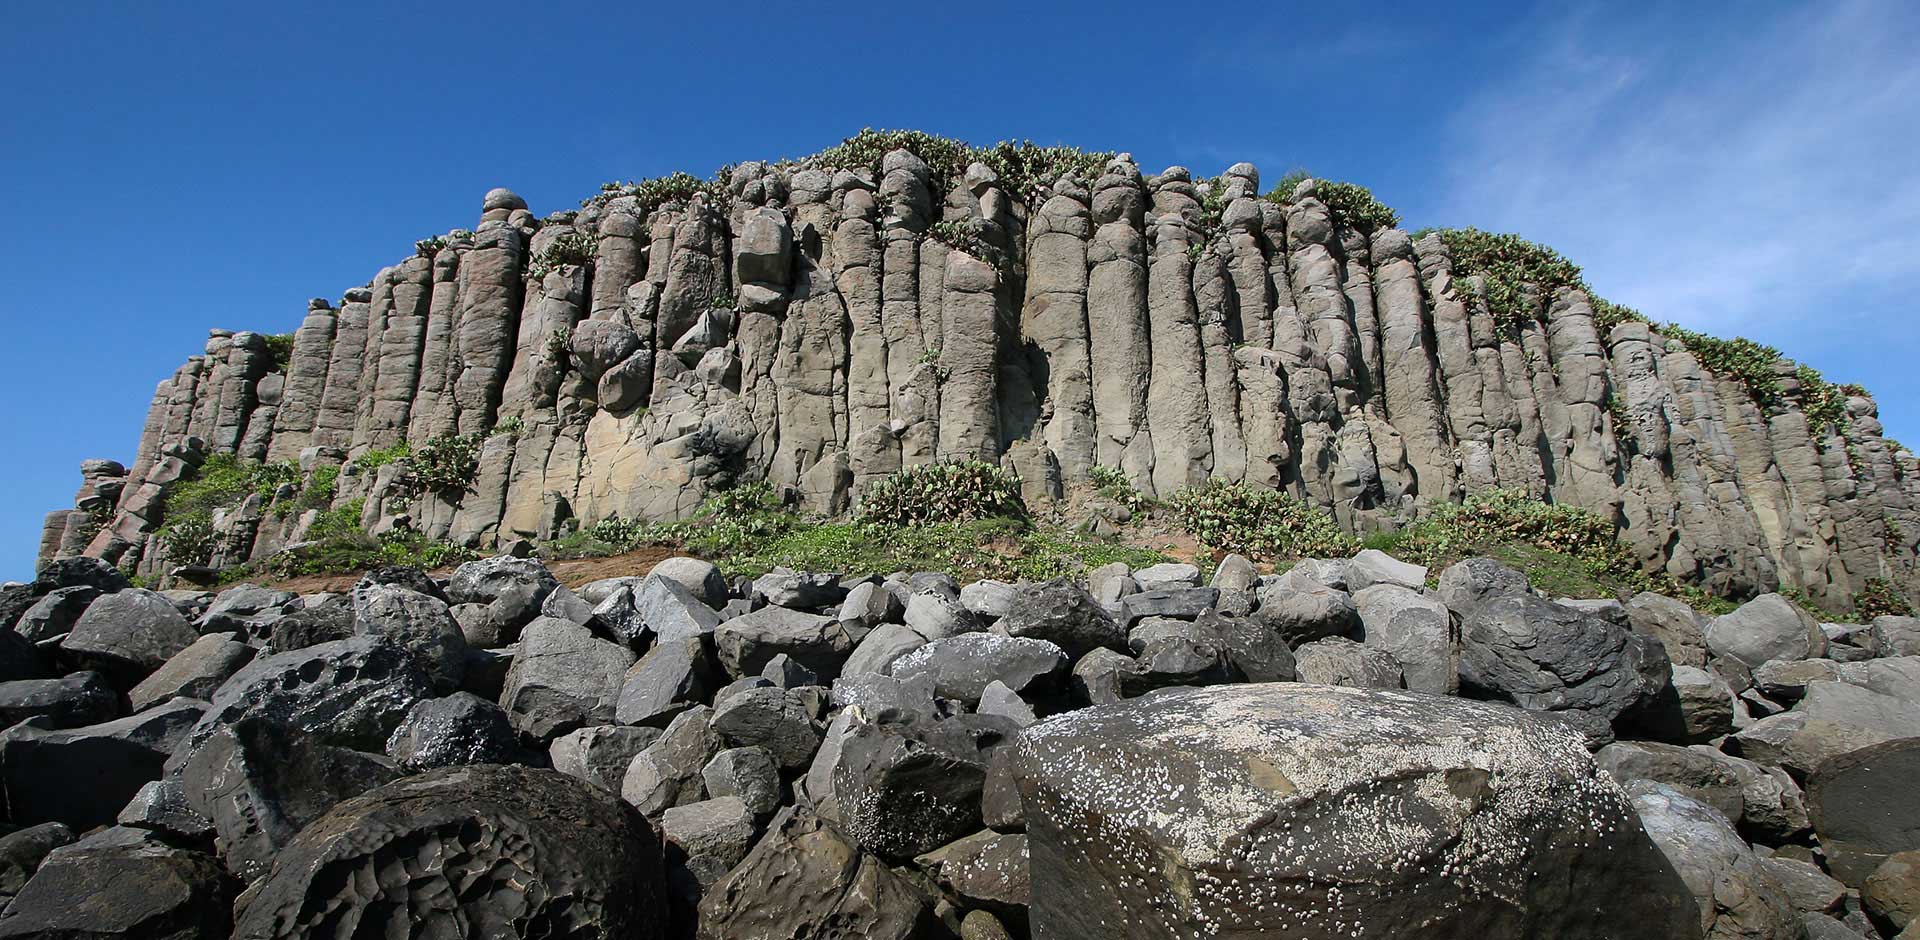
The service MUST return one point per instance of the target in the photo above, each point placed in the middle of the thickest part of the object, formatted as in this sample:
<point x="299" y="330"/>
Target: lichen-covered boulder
<point x="467" y="852"/>
<point x="1303" y="811"/>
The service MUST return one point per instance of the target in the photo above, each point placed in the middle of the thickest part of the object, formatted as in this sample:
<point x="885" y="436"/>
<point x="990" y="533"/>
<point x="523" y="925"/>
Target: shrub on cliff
<point x="943" y="491"/>
<point x="1256" y="521"/>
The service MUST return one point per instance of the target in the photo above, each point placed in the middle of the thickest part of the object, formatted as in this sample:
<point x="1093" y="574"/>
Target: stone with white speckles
<point x="1313" y="812"/>
<point x="907" y="784"/>
<point x="963" y="666"/>
<point x="985" y="871"/>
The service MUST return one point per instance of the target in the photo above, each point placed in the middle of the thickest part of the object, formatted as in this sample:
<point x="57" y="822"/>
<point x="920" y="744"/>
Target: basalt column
<point x="1054" y="319"/>
<point x="432" y="413"/>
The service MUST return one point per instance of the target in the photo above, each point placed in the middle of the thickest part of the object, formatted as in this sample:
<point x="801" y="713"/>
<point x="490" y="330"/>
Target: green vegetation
<point x="1513" y="268"/>
<point x="446" y="465"/>
<point x="675" y="188"/>
<point x="1565" y="550"/>
<point x="1349" y="204"/>
<point x="381" y="456"/>
<point x="1113" y="484"/>
<point x="573" y="248"/>
<point x="354" y="551"/>
<point x="508" y="427"/>
<point x="1878" y="597"/>
<point x="1258" y="522"/>
<point x="965" y="237"/>
<point x="222" y="482"/>
<point x="280" y="347"/>
<point x="428" y="247"/>
<point x="944" y="491"/>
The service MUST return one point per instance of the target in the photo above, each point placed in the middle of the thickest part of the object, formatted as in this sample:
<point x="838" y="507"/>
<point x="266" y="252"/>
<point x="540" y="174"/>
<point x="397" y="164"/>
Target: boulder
<point x="1182" y="603"/>
<point x="868" y="605"/>
<point x="123" y="890"/>
<point x="1174" y="661"/>
<point x="1059" y="612"/>
<point x="261" y="783"/>
<point x="1340" y="661"/>
<point x="80" y="698"/>
<point x="784" y="587"/>
<point x="1286" y="809"/>
<point x="989" y="598"/>
<point x="1417" y="631"/>
<point x="513" y="590"/>
<point x="53" y="616"/>
<point x="671" y="610"/>
<point x="1865" y="808"/>
<point x="462" y="728"/>
<point x="22" y="851"/>
<point x="1806" y="886"/>
<point x="748" y="773"/>
<point x="1468" y="583"/>
<point x="83" y="776"/>
<point x="1167" y="575"/>
<point x="1678" y="627"/>
<point x="1546" y="656"/>
<point x="673" y="676"/>
<point x="76" y="572"/>
<point x="1892" y="893"/>
<point x="1697" y="773"/>
<point x="935" y="615"/>
<point x="803" y="880"/>
<point x="699" y="577"/>
<point x="1373" y="566"/>
<point x="878" y="650"/>
<point x="1896" y="636"/>
<point x="1832" y="718"/>
<point x="1235" y="573"/>
<point x="667" y="772"/>
<point x="486" y="851"/>
<point x="195" y="672"/>
<point x="907" y="784"/>
<point x="1704" y="702"/>
<point x="563" y="678"/>
<point x="961" y="667"/>
<point x="600" y="755"/>
<point x="1735" y="896"/>
<point x="1767" y="627"/>
<point x="748" y="642"/>
<point x="347" y="693"/>
<point x="323" y="622"/>
<point x="704" y="841"/>
<point x="1256" y="652"/>
<point x="129" y="634"/>
<point x="162" y="806"/>
<point x="1303" y="616"/>
<point x="419" y="622"/>
<point x="984" y="871"/>
<point x="786" y="722"/>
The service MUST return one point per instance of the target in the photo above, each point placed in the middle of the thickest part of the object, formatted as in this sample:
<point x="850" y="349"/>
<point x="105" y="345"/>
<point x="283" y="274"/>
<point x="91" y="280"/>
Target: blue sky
<point x="1741" y="168"/>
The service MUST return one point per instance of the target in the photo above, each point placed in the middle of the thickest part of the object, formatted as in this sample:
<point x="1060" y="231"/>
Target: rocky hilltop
<point x="820" y="323"/>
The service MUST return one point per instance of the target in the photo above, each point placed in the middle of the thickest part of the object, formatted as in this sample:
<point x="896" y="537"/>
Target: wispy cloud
<point x="1732" y="175"/>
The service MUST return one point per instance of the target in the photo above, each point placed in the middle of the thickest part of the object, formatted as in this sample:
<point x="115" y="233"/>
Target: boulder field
<point x="1351" y="748"/>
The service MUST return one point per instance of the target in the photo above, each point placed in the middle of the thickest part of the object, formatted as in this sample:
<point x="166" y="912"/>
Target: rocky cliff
<point x="901" y="299"/>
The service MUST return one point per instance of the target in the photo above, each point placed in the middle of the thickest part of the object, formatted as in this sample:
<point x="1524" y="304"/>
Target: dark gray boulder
<point x="1176" y="661"/>
<point x="261" y="783"/>
<point x="83" y="776"/>
<point x="129" y="634"/>
<point x="601" y="754"/>
<point x="1736" y="898"/>
<point x="74" y="572"/>
<point x="1294" y="810"/>
<point x="80" y="698"/>
<point x="784" y="587"/>
<point x="1257" y="652"/>
<point x="1417" y="631"/>
<point x="347" y="693"/>
<point x="985" y="871"/>
<point x="906" y="784"/>
<point x="22" y="851"/>
<point x="1864" y="806"/>
<point x="19" y="659"/>
<point x="672" y="611"/>
<point x="459" y="729"/>
<point x="704" y="840"/>
<point x="162" y="806"/>
<point x="961" y="667"/>
<point x="1545" y="656"/>
<point x="53" y="616"/>
<point x="513" y="589"/>
<point x="485" y="851"/>
<point x="123" y="890"/>
<point x="748" y="773"/>
<point x="324" y="622"/>
<point x="563" y="678"/>
<point x="666" y="773"/>
<point x="1063" y="614"/>
<point x="747" y="643"/>
<point x="803" y="880"/>
<point x="419" y="622"/>
<point x="786" y="722"/>
<point x="195" y="672"/>
<point x="673" y="676"/>
<point x="1183" y="603"/>
<point x="1302" y="615"/>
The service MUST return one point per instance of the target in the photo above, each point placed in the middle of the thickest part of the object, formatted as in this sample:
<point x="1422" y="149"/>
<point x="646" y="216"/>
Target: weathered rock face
<point x="808" y="325"/>
<point x="479" y="851"/>
<point x="1314" y="811"/>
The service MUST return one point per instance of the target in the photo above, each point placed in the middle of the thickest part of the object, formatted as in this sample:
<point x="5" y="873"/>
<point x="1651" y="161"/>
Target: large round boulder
<point x="486" y="851"/>
<point x="1306" y="811"/>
